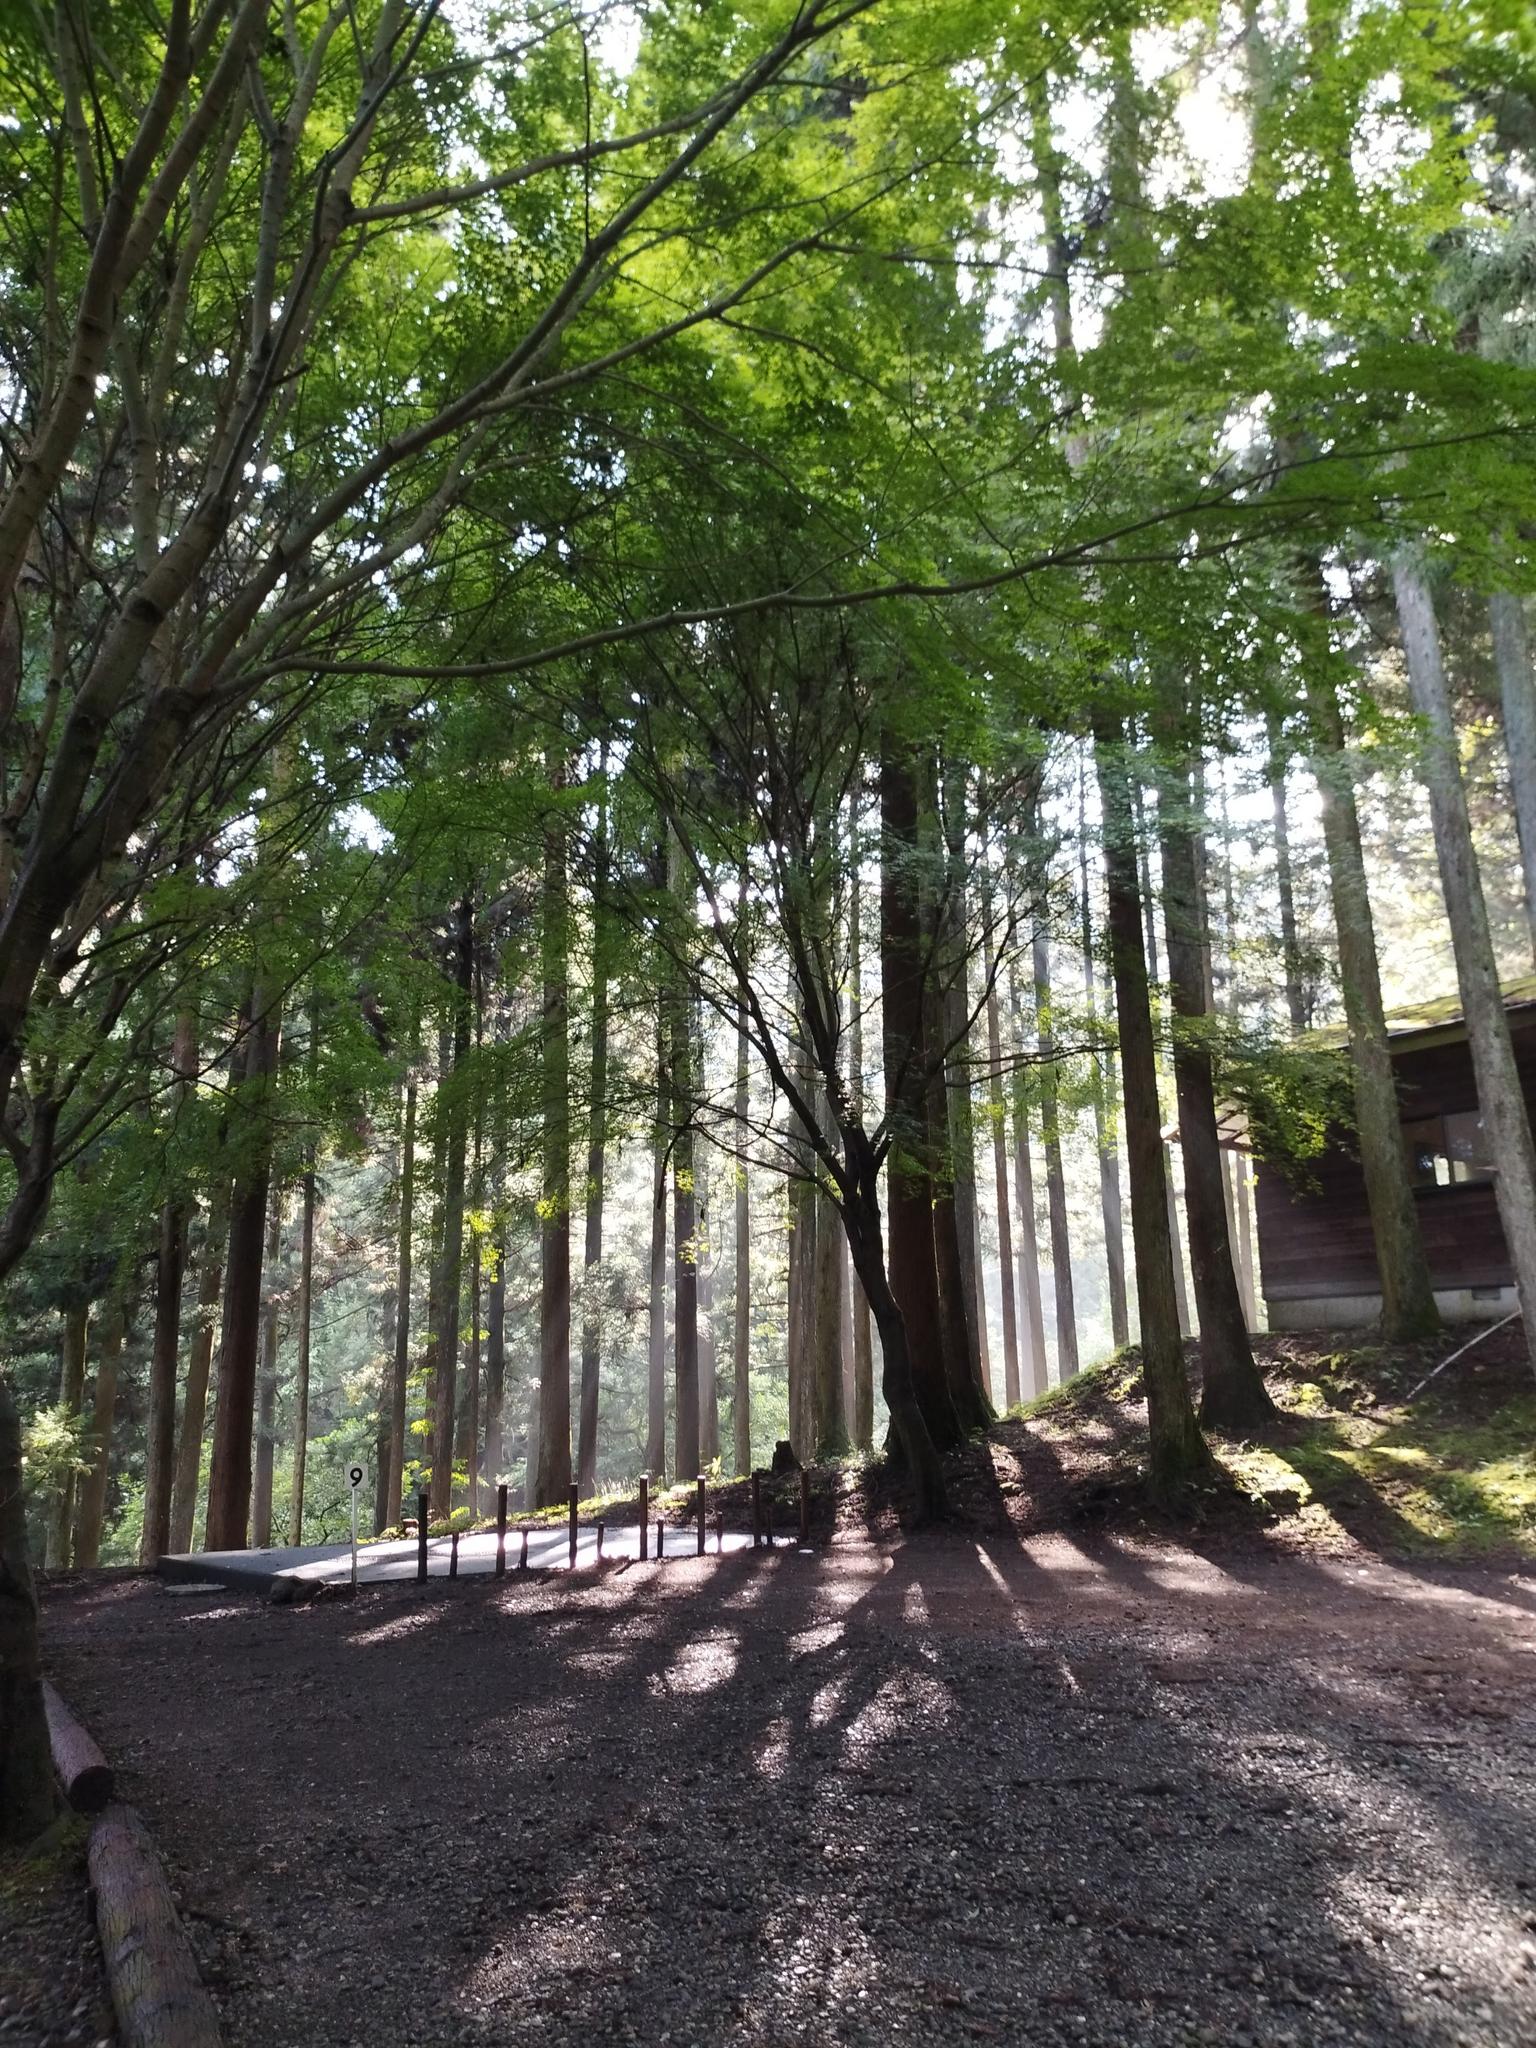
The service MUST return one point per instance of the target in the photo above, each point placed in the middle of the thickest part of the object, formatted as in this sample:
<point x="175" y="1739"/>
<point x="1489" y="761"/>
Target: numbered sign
<point x="356" y="1474"/>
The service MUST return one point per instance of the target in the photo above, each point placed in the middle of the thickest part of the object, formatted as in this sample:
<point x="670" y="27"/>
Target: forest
<point x="692" y="698"/>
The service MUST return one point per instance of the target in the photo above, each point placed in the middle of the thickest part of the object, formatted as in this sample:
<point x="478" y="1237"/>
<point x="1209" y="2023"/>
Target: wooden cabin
<point x="1316" y="1253"/>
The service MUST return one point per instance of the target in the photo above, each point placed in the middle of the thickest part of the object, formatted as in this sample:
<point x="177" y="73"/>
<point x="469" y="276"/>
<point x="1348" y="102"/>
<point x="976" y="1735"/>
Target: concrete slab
<point x="277" y="1570"/>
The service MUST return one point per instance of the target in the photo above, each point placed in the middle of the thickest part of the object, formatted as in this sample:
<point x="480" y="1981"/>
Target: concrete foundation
<point x="1357" y="1311"/>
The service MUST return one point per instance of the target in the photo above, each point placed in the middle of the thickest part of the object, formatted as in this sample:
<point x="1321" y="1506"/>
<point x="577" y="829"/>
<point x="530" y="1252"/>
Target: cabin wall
<point x="1315" y="1244"/>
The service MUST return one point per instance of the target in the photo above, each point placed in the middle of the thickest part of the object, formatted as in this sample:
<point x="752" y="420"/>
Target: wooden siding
<point x="1316" y="1241"/>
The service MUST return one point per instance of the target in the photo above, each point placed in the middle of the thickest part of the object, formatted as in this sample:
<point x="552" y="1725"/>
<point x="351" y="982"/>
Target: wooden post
<point x="522" y="1562"/>
<point x="703" y="1510"/>
<point x="757" y="1510"/>
<point x="661" y="1541"/>
<point x="422" y="1504"/>
<point x="645" y="1515"/>
<point x="453" y="1555"/>
<point x="574" y="1494"/>
<point x="805" y="1508"/>
<point x="599" y="1542"/>
<point x="768" y="1530"/>
<point x="501" y="1531"/>
<point x="720" y="1528"/>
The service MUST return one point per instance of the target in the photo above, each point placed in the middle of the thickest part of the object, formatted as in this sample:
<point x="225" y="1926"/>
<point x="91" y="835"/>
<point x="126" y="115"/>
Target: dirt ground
<point x="53" y="1991"/>
<point x="976" y="1786"/>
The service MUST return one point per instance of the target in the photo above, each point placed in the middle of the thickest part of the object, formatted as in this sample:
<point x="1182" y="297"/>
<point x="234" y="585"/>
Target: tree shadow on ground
<point x="965" y="1787"/>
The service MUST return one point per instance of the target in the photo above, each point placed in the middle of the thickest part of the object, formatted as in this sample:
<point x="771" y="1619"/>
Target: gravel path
<point x="947" y="1792"/>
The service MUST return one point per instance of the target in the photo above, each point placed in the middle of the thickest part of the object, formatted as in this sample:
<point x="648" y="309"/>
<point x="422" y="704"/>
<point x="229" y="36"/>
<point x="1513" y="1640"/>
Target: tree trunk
<point x="194" y="1399"/>
<point x="229" y="1476"/>
<point x="955" y="1328"/>
<point x="709" y="1388"/>
<point x="432" y="1347"/>
<point x="451" y="1261"/>
<point x="1178" y="1451"/>
<point x="301" y="1373"/>
<point x="1233" y="1396"/>
<point x="830" y="1418"/>
<point x="400" y="1377"/>
<point x="1101" y="1075"/>
<point x="685" y="1269"/>
<point x="914" y="1444"/>
<point x="384" y="1301"/>
<point x="1285" y="885"/>
<point x="531" y="1453"/>
<point x="1034" y="1371"/>
<point x="741" y="1346"/>
<point x="656" y="1372"/>
<point x="1050" y="1119"/>
<point x="61" y="1514"/>
<point x="800" y="1271"/>
<point x="90" y="1510"/>
<point x="496" y="1365"/>
<point x="1517" y="697"/>
<point x="1500" y="1095"/>
<point x="1408" y="1308"/>
<point x="863" y="1413"/>
<point x="953" y="947"/>
<point x="266" y="1386"/>
<point x="170" y="1265"/>
<point x="556" y="1186"/>
<point x="998" y="1120"/>
<point x="160" y="1427"/>
<point x="470" y="1416"/>
<point x="1149" y="925"/>
<point x="26" y="1761"/>
<point x="909" y="1185"/>
<point x="1245" y="1272"/>
<point x="555" y="1183"/>
<point x="597" y="1130"/>
<point x="951" y="1145"/>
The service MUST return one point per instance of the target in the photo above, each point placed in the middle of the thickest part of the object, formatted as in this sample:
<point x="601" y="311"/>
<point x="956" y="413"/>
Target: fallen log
<point x="79" y="1765"/>
<point x="160" y="1999"/>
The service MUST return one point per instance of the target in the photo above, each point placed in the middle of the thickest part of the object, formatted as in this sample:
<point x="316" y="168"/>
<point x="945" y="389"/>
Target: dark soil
<point x="964" y="1788"/>
<point x="53" y="1988"/>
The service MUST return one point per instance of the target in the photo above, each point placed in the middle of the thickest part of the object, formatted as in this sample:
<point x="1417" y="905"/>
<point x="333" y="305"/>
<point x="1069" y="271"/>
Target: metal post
<point x="574" y="1495"/>
<point x="422" y="1504"/>
<point x="645" y="1515"/>
<point x="703" y="1510"/>
<point x="501" y="1531"/>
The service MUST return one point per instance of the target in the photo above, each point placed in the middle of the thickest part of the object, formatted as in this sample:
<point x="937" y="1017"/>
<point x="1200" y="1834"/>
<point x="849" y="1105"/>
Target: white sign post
<point x="355" y="1477"/>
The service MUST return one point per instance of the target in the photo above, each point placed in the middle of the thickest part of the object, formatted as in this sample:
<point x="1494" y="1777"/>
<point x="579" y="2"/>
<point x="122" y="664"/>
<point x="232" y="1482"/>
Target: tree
<point x="1232" y="1391"/>
<point x="1179" y="1456"/>
<point x="597" y="1137"/>
<point x="1501" y="1099"/>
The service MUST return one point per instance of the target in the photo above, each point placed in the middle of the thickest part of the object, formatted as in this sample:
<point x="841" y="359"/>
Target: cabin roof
<point x="1428" y="1023"/>
<point x="1440" y="1020"/>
